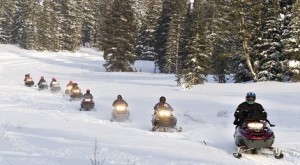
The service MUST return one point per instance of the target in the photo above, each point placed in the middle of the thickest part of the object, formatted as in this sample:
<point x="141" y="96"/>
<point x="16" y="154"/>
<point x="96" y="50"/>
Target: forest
<point x="247" y="40"/>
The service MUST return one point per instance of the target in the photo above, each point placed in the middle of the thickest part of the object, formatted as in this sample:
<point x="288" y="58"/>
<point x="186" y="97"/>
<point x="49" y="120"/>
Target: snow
<point x="44" y="128"/>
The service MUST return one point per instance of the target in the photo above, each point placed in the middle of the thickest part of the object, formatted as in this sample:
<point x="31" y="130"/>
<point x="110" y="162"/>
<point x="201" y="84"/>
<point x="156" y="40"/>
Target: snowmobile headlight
<point x="120" y="108"/>
<point x="44" y="83"/>
<point x="164" y="113"/>
<point x="69" y="87"/>
<point x="76" y="91"/>
<point x="29" y="79"/>
<point x="255" y="125"/>
<point x="87" y="100"/>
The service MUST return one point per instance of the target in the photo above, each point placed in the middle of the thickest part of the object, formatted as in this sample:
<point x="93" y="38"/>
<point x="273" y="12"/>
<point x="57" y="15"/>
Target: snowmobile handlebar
<point x="271" y="125"/>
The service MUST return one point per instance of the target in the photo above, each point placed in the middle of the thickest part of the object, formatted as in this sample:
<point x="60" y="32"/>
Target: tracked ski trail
<point x="44" y="128"/>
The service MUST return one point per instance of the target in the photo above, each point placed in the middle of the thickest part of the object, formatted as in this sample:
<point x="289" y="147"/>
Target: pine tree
<point x="293" y="48"/>
<point x="246" y="15"/>
<point x="48" y="33"/>
<point x="270" y="66"/>
<point x="28" y="18"/>
<point x="69" y="17"/>
<point x="161" y="34"/>
<point x="220" y="37"/>
<point x="176" y="26"/>
<point x="146" y="39"/>
<point x="119" y="43"/>
<point x="197" y="61"/>
<point x="89" y="10"/>
<point x="7" y="15"/>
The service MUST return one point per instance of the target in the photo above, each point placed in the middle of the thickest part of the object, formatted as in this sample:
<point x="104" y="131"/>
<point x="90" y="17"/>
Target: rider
<point x="119" y="100"/>
<point x="27" y="76"/>
<point x="249" y="110"/>
<point x="75" y="87"/>
<point x="53" y="80"/>
<point x="162" y="103"/>
<point x="41" y="81"/>
<point x="88" y="95"/>
<point x="70" y="83"/>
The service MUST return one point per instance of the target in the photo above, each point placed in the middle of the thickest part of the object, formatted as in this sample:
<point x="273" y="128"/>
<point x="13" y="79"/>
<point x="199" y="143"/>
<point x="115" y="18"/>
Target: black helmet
<point x="162" y="99"/>
<point x="250" y="97"/>
<point x="88" y="91"/>
<point x="119" y="97"/>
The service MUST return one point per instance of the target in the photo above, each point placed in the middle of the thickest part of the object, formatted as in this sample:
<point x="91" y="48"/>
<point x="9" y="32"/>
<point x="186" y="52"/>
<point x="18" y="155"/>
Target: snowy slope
<point x="44" y="128"/>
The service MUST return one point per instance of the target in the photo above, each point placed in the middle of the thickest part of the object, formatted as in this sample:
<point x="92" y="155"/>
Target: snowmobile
<point x="75" y="95"/>
<point x="68" y="90"/>
<point x="164" y="121"/>
<point x="43" y="86"/>
<point x="29" y="82"/>
<point x="55" y="87"/>
<point x="254" y="135"/>
<point x="87" y="104"/>
<point x="120" y="113"/>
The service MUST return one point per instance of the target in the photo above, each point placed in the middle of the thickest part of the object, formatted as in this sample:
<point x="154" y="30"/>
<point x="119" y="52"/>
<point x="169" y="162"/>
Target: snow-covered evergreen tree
<point x="146" y="38"/>
<point x="293" y="48"/>
<point x="7" y="15"/>
<point x="196" y="64"/>
<point x="48" y="28"/>
<point x="270" y="64"/>
<point x="69" y="18"/>
<point x="176" y="26"/>
<point x="161" y="34"/>
<point x="121" y="37"/>
<point x="29" y="12"/>
<point x="89" y="10"/>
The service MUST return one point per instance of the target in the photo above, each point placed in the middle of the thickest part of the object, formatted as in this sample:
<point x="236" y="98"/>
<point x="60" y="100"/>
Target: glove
<point x="236" y="122"/>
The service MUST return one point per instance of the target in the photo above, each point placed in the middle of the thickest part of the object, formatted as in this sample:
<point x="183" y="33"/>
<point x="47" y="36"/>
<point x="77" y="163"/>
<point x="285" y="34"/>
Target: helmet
<point x="250" y="94"/>
<point x="42" y="77"/>
<point x="53" y="79"/>
<point x="250" y="97"/>
<point x="162" y="99"/>
<point x="88" y="91"/>
<point x="70" y="81"/>
<point x="119" y="97"/>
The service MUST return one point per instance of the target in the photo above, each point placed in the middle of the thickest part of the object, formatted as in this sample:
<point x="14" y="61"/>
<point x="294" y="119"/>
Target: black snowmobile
<point x="29" y="82"/>
<point x="120" y="113"/>
<point x="255" y="135"/>
<point x="164" y="121"/>
<point x="87" y="104"/>
<point x="55" y="87"/>
<point x="43" y="86"/>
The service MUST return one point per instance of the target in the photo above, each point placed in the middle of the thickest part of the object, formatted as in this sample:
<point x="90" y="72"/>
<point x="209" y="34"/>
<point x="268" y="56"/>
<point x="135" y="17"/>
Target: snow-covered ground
<point x="44" y="128"/>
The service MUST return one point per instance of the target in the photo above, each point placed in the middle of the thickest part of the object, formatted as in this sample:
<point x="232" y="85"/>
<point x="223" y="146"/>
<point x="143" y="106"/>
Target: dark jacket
<point x="41" y="81"/>
<point x="87" y="96"/>
<point x="120" y="101"/>
<point x="162" y="104"/>
<point x="51" y="83"/>
<point x="247" y="111"/>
